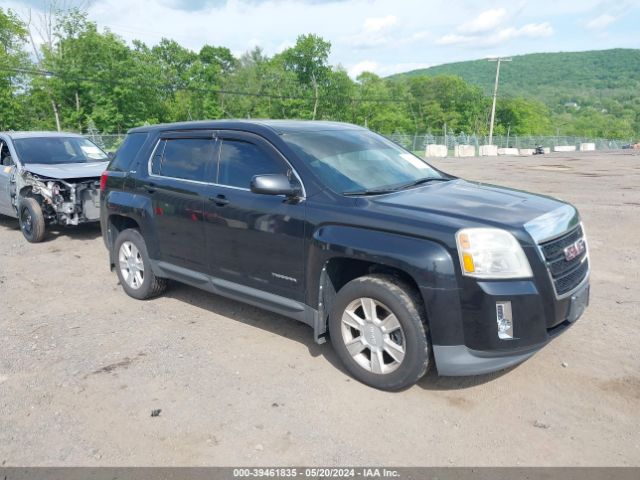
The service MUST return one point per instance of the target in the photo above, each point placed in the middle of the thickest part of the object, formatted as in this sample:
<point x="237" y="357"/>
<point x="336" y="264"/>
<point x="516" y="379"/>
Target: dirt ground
<point x="82" y="365"/>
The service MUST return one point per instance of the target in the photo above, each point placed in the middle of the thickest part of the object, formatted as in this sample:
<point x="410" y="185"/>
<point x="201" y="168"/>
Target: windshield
<point x="55" y="150"/>
<point x="357" y="161"/>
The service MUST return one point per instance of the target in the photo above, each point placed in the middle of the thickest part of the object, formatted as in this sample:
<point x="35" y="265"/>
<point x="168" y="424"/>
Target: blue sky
<point x="383" y="36"/>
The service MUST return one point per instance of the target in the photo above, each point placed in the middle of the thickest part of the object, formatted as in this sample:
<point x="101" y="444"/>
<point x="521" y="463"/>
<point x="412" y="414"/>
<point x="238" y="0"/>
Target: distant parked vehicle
<point x="539" y="150"/>
<point x="49" y="178"/>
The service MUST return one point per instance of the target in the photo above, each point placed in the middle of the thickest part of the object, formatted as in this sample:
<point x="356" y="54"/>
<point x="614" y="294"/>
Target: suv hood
<point x="469" y="201"/>
<point x="64" y="171"/>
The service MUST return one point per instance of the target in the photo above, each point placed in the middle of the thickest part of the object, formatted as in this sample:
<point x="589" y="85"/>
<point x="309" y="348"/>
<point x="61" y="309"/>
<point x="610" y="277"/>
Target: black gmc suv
<point x="400" y="264"/>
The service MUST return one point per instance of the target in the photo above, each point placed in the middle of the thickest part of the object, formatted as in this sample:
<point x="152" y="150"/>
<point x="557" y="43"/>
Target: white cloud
<point x="487" y="20"/>
<point x="530" y="30"/>
<point x="380" y="32"/>
<point x="377" y="24"/>
<point x="416" y="36"/>
<point x="374" y="32"/>
<point x="364" y="66"/>
<point x="535" y="30"/>
<point x="284" y="46"/>
<point x="600" y="22"/>
<point x="384" y="69"/>
<point x="401" y="67"/>
<point x="454" y="39"/>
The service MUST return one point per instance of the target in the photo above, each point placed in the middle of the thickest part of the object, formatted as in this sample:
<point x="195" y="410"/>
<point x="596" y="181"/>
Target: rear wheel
<point x="31" y="220"/>
<point x="134" y="267"/>
<point x="378" y="332"/>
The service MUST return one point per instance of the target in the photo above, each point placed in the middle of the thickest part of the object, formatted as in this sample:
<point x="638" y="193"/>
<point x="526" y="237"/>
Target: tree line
<point x="593" y="93"/>
<point x="78" y="78"/>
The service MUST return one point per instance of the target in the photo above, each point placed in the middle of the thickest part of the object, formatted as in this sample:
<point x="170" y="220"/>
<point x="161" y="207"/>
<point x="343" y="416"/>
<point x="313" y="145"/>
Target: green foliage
<point x="99" y="83"/>
<point x="585" y="91"/>
<point x="13" y="35"/>
<point x="309" y="60"/>
<point x="523" y="117"/>
<point x="96" y="76"/>
<point x="447" y="100"/>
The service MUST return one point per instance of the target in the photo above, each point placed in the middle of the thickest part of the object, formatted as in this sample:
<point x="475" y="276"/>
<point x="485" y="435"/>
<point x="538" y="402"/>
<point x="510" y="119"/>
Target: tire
<point x="385" y="354"/>
<point x="134" y="267"/>
<point x="31" y="220"/>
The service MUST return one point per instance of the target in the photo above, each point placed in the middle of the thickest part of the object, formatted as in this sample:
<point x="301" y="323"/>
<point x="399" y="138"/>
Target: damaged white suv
<point x="49" y="178"/>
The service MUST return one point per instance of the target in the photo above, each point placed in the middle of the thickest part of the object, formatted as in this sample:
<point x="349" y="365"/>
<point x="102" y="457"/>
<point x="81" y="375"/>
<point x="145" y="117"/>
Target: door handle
<point x="220" y="200"/>
<point x="151" y="187"/>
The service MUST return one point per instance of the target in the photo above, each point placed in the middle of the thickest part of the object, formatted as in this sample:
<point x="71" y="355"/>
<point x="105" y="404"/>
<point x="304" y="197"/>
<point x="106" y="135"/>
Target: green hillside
<point x="606" y="79"/>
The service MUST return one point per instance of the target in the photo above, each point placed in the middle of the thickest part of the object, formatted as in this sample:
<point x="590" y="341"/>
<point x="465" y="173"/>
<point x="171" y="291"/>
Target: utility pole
<point x="495" y="94"/>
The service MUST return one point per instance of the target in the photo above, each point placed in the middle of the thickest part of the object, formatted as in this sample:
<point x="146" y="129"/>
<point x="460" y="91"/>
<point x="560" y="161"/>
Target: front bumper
<point x="480" y="351"/>
<point x="458" y="360"/>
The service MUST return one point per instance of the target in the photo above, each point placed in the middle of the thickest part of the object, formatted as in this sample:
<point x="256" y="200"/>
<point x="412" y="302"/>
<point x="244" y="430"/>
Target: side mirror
<point x="111" y="155"/>
<point x="276" y="184"/>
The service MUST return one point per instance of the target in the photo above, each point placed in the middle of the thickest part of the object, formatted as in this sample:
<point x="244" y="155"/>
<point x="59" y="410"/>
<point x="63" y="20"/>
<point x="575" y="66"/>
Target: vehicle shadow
<point x="9" y="223"/>
<point x="84" y="231"/>
<point x="301" y="333"/>
<point x="254" y="317"/>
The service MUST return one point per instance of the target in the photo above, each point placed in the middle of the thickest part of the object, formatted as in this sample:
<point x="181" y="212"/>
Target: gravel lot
<point x="82" y="365"/>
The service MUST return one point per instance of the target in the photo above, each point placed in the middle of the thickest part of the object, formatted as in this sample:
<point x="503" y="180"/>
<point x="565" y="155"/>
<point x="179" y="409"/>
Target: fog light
<point x="505" y="320"/>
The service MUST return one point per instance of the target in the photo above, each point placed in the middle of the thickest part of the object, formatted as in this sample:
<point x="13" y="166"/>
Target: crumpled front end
<point x="63" y="202"/>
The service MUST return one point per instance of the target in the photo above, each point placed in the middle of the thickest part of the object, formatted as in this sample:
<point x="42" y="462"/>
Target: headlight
<point x="491" y="253"/>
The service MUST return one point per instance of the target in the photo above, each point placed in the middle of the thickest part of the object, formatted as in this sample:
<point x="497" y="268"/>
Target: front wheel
<point x="377" y="330"/>
<point x="134" y="267"/>
<point x="31" y="220"/>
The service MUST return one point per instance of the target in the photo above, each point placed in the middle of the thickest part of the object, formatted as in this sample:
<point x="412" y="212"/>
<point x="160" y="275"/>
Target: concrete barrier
<point x="546" y="149"/>
<point x="488" y="150"/>
<point x="564" y="148"/>
<point x="526" y="151"/>
<point x="587" y="147"/>
<point x="464" y="151"/>
<point x="508" y="151"/>
<point x="436" y="151"/>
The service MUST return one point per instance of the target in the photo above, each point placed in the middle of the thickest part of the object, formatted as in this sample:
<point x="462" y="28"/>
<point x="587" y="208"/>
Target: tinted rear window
<point x="185" y="158"/>
<point x="127" y="152"/>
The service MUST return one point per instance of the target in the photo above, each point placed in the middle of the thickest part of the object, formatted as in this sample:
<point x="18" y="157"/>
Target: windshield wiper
<point x="358" y="193"/>
<point x="420" y="181"/>
<point x="380" y="191"/>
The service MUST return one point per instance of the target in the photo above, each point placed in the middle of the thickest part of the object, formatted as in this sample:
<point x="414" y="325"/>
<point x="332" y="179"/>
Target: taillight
<point x="103" y="181"/>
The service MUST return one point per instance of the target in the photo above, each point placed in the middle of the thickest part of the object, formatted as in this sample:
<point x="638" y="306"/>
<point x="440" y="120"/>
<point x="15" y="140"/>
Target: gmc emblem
<point x="573" y="250"/>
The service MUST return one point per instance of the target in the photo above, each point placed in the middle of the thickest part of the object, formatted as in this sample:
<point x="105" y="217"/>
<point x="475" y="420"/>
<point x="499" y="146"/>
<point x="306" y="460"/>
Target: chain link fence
<point x="418" y="142"/>
<point x="107" y="142"/>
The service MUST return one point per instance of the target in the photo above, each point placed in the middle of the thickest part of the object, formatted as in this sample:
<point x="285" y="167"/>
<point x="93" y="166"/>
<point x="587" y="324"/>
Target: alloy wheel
<point x="373" y="335"/>
<point x="131" y="264"/>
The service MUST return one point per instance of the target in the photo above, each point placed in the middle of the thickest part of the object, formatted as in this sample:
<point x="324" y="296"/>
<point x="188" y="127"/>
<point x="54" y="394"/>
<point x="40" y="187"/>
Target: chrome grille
<point x="566" y="274"/>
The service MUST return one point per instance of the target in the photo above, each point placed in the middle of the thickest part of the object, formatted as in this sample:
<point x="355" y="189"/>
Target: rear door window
<point x="240" y="161"/>
<point x="184" y="158"/>
<point x="127" y="152"/>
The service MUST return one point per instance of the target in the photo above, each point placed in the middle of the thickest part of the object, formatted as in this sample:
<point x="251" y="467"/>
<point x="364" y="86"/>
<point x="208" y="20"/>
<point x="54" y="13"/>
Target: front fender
<point x="427" y="262"/>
